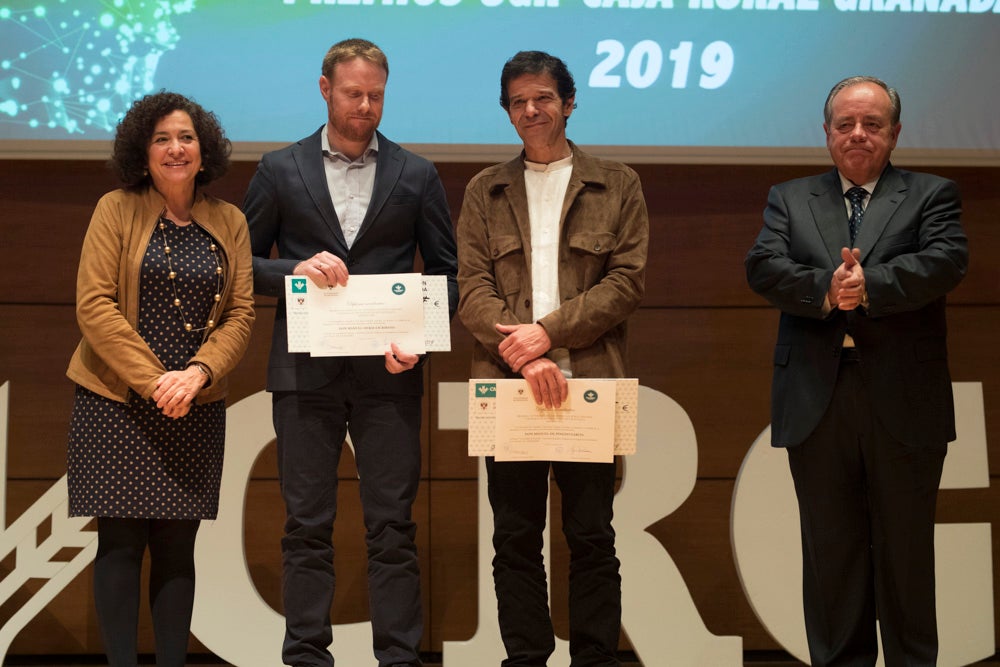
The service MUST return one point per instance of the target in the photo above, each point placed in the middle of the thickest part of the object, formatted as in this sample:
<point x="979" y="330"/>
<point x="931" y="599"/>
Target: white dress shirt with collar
<point x="350" y="183"/>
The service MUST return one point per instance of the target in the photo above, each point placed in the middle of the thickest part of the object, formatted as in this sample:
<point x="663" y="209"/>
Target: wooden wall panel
<point x="35" y="345"/>
<point x="703" y="220"/>
<point x="453" y="614"/>
<point x="701" y="337"/>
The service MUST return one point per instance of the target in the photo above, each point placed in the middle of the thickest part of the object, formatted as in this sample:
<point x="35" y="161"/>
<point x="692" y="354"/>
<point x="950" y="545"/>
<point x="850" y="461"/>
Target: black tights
<point x="121" y="544"/>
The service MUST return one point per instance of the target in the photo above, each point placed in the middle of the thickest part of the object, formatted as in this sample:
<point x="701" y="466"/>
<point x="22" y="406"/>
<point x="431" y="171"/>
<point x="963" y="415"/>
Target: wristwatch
<point x="204" y="370"/>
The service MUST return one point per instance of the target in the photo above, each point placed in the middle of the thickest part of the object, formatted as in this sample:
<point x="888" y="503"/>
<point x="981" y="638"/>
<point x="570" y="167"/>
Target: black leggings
<point x="121" y="544"/>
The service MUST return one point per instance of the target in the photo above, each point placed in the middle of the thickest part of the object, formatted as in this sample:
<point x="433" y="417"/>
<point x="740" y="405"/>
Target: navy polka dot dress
<point x="128" y="460"/>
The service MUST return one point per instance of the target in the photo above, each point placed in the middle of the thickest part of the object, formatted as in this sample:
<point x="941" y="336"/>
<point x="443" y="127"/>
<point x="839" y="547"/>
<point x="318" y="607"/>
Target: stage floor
<point x="752" y="659"/>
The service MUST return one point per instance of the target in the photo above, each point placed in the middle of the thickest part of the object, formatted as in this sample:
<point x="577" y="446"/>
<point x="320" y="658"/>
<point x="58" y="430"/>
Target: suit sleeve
<point x="263" y="212"/>
<point x="905" y="274"/>
<point x="794" y="287"/>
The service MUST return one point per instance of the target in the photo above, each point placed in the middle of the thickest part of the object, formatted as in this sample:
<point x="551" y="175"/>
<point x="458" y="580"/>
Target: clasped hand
<point x="847" y="288"/>
<point x="522" y="350"/>
<point x="176" y="390"/>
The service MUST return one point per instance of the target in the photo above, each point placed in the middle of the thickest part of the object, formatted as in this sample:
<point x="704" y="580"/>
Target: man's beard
<point x="348" y="128"/>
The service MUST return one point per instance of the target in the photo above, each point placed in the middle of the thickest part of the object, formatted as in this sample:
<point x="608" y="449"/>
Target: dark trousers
<point x="518" y="492"/>
<point x="867" y="506"/>
<point x="385" y="431"/>
<point x="121" y="545"/>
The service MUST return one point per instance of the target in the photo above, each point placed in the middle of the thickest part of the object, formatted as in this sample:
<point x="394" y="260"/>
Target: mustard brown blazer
<point x="112" y="358"/>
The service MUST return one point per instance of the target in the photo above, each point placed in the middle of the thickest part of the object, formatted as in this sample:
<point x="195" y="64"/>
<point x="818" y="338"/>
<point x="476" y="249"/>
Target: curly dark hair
<point x="130" y="156"/>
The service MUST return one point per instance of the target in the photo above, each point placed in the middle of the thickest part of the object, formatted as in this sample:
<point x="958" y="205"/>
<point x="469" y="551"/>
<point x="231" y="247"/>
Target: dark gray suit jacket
<point x="288" y="204"/>
<point x="913" y="252"/>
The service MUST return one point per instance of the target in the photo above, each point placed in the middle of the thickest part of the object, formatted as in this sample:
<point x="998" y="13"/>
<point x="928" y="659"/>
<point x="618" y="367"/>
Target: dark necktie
<point x="856" y="196"/>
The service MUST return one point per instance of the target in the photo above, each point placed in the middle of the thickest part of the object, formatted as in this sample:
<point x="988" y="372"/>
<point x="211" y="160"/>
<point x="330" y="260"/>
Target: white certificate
<point x="598" y="421"/>
<point x="303" y="305"/>
<point x="362" y="318"/>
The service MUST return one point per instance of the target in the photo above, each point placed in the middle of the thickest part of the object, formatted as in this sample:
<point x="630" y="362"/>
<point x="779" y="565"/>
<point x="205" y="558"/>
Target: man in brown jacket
<point x="552" y="256"/>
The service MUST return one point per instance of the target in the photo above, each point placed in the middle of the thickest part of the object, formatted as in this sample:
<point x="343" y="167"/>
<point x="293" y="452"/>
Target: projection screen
<point x="657" y="80"/>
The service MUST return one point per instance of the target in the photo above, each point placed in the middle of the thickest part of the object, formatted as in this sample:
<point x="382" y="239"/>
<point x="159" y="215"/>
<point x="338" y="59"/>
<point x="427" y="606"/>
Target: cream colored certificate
<point x="504" y="422"/>
<point x="483" y="415"/>
<point x="366" y="316"/>
<point x="300" y="292"/>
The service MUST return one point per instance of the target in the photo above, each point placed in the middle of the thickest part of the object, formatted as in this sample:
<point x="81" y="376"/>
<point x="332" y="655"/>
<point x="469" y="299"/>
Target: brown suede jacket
<point x="112" y="358"/>
<point x="604" y="236"/>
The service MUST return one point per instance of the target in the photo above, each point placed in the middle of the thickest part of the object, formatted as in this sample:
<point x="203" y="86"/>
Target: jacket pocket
<point x="590" y="251"/>
<point x="507" y="253"/>
<point x="898" y="244"/>
<point x="402" y="200"/>
<point x="593" y="243"/>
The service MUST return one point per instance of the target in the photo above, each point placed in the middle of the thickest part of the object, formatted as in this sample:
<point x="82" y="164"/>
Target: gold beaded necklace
<point x="172" y="275"/>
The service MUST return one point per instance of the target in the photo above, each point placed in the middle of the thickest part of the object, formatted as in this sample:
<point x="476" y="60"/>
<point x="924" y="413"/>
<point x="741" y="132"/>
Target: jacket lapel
<point x="509" y="181"/>
<point x="308" y="155"/>
<point x="830" y="215"/>
<point x="585" y="174"/>
<point x="388" y="167"/>
<point x="889" y="194"/>
<point x="517" y="198"/>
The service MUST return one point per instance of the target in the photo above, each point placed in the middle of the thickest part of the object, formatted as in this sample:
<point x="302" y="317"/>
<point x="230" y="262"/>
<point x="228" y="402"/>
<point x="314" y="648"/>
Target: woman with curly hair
<point x="165" y="305"/>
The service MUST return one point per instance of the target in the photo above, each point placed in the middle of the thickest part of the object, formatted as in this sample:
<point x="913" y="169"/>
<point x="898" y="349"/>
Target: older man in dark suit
<point x="342" y="201"/>
<point x="859" y="261"/>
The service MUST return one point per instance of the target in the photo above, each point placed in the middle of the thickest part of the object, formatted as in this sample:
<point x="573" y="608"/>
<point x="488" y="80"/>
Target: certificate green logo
<point x="486" y="389"/>
<point x="298" y="285"/>
<point x="590" y="396"/>
<point x="398" y="288"/>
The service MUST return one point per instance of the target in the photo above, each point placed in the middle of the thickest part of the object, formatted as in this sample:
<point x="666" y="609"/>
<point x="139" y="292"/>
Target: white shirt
<point x="546" y="188"/>
<point x="350" y="183"/>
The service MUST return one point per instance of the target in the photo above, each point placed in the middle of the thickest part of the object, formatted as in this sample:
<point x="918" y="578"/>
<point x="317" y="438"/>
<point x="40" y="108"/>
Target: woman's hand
<point x="176" y="391"/>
